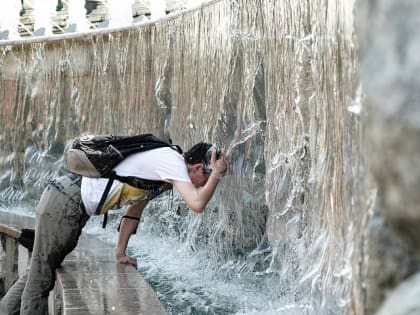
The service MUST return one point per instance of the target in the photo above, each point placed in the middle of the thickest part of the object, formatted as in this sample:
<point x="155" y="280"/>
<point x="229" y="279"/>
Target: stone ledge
<point x="14" y="256"/>
<point x="90" y="281"/>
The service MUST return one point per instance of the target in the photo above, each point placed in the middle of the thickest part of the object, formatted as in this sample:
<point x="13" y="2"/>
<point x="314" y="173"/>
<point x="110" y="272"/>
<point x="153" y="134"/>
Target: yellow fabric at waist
<point x="126" y="195"/>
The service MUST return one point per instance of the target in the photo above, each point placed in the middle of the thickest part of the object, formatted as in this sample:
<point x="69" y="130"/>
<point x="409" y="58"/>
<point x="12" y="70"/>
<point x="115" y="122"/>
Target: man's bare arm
<point x="127" y="227"/>
<point x="197" y="198"/>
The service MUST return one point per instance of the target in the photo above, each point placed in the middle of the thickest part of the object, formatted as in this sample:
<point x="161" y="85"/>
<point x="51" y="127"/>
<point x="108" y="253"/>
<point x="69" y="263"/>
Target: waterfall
<point x="276" y="82"/>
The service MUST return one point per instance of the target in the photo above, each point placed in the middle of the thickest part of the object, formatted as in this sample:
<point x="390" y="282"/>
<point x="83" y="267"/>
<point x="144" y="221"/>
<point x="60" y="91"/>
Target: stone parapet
<point x="14" y="256"/>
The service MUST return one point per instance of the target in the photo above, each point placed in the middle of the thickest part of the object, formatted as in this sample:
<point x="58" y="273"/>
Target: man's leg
<point x="59" y="222"/>
<point x="10" y="303"/>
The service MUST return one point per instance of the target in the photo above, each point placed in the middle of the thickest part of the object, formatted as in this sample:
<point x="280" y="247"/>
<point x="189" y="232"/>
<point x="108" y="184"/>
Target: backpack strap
<point x="103" y="199"/>
<point x="147" y="184"/>
<point x="104" y="195"/>
<point x="105" y="221"/>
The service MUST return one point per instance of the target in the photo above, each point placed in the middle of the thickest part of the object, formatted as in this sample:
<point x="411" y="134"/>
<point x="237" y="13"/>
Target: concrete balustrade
<point x="89" y="281"/>
<point x="14" y="256"/>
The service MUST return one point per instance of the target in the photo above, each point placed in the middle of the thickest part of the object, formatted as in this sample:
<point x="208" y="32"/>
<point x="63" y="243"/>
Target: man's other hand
<point x="128" y="260"/>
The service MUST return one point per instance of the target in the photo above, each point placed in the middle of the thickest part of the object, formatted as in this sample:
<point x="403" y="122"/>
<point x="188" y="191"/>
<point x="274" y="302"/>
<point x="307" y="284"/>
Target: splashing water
<point x="188" y="282"/>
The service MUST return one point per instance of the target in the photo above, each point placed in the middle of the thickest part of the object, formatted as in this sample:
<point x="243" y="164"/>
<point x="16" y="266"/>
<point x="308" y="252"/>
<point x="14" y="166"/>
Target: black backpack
<point x="97" y="155"/>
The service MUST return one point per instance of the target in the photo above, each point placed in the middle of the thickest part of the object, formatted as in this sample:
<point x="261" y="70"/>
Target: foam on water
<point x="194" y="282"/>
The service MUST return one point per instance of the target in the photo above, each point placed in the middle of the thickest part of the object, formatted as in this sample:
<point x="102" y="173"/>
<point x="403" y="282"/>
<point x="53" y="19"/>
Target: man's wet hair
<point x="197" y="154"/>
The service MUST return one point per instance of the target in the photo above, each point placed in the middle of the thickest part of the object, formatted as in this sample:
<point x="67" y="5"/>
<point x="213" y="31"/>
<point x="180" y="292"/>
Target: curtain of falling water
<point x="271" y="80"/>
<point x="314" y="181"/>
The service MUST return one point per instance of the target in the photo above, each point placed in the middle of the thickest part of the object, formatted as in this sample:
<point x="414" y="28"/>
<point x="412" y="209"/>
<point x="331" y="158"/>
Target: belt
<point x="77" y="179"/>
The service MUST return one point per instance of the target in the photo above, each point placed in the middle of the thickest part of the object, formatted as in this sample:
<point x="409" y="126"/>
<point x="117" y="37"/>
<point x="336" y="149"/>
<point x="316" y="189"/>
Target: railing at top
<point x="34" y="18"/>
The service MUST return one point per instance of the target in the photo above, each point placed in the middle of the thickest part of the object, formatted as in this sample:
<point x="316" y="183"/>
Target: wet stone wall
<point x="275" y="82"/>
